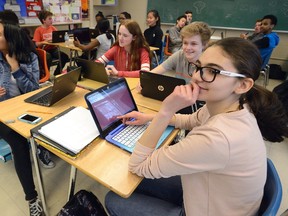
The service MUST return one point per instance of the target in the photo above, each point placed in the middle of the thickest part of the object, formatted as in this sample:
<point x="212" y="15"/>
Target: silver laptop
<point x="63" y="85"/>
<point x="94" y="70"/>
<point x="110" y="101"/>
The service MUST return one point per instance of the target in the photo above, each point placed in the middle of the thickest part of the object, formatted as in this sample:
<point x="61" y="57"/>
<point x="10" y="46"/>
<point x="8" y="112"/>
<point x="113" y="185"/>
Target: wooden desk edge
<point x="73" y="162"/>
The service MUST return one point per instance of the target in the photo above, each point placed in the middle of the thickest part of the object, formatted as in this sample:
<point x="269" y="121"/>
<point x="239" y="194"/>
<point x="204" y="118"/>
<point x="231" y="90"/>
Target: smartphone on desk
<point x="31" y="119"/>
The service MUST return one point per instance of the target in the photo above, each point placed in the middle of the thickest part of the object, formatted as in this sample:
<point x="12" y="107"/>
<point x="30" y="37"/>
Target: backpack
<point x="282" y="92"/>
<point x="276" y="72"/>
<point x="83" y="203"/>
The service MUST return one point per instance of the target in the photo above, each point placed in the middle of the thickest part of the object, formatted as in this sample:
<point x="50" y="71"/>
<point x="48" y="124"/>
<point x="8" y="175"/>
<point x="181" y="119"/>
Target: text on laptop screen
<point x="111" y="102"/>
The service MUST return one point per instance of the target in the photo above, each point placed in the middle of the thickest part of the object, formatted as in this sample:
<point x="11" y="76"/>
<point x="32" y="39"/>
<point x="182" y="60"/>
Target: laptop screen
<point x="82" y="34"/>
<point x="108" y="102"/>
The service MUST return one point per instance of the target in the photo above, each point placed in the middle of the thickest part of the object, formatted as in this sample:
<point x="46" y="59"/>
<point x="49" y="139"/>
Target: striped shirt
<point x="122" y="61"/>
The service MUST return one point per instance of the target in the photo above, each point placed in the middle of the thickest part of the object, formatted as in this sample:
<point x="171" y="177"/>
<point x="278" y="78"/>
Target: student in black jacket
<point x="154" y="34"/>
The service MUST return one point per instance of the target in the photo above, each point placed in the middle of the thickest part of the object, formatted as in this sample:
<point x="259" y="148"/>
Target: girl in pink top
<point x="130" y="52"/>
<point x="222" y="160"/>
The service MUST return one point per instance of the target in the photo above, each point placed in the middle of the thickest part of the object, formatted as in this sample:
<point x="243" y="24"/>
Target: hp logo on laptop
<point x="160" y="88"/>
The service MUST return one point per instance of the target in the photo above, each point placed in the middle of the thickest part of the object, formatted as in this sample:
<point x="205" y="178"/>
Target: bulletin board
<point x="63" y="10"/>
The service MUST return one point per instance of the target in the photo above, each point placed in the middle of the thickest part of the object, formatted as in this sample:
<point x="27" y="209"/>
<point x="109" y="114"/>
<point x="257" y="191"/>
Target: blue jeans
<point x="152" y="197"/>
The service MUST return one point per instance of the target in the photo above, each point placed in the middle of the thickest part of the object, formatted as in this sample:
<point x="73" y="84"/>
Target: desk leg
<point x="156" y="57"/>
<point x="60" y="62"/>
<point x="76" y="55"/>
<point x="38" y="174"/>
<point x="72" y="182"/>
<point x="71" y="57"/>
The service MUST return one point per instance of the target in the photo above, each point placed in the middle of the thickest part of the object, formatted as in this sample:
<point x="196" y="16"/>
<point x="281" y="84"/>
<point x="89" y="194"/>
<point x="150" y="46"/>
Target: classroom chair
<point x="265" y="73"/>
<point x="43" y="62"/>
<point x="272" y="192"/>
<point x="166" y="45"/>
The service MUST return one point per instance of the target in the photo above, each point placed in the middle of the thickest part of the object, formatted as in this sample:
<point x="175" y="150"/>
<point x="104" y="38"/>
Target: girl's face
<point x="181" y="23"/>
<point x="151" y="19"/>
<point x="125" y="37"/>
<point x="98" y="18"/>
<point x="192" y="47"/>
<point x="3" y="42"/>
<point x="121" y="18"/>
<point x="221" y="90"/>
<point x="48" y="21"/>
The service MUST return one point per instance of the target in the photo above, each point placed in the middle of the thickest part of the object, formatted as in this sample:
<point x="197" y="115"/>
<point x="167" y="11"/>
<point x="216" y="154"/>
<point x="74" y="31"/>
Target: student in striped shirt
<point x="130" y="52"/>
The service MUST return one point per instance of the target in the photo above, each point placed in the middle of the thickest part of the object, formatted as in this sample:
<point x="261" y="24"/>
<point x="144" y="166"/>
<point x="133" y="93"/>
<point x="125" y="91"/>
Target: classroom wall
<point x="138" y="10"/>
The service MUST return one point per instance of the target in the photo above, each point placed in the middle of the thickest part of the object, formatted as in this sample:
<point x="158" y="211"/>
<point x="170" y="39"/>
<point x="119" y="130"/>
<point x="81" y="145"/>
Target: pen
<point x="34" y="111"/>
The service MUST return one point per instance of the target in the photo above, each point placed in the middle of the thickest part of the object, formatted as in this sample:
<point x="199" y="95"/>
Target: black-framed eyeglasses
<point x="208" y="74"/>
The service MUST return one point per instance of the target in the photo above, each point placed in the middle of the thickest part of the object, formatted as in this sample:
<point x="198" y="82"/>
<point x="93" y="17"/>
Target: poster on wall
<point x="63" y="10"/>
<point x="85" y="9"/>
<point x="33" y="7"/>
<point x="18" y="6"/>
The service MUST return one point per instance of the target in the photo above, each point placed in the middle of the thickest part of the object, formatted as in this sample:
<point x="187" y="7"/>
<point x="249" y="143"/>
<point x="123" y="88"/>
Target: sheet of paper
<point x="74" y="130"/>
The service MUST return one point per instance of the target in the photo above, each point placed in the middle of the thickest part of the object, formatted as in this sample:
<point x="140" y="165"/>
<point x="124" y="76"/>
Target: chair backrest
<point x="265" y="72"/>
<point x="272" y="192"/>
<point x="166" y="42"/>
<point x="43" y="61"/>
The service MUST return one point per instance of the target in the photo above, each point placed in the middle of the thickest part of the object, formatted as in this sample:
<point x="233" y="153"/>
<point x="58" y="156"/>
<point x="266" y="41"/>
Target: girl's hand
<point x="139" y="87"/>
<point x="135" y="118"/>
<point x="2" y="91"/>
<point x="111" y="70"/>
<point x="181" y="97"/>
<point x="12" y="61"/>
<point x="76" y="42"/>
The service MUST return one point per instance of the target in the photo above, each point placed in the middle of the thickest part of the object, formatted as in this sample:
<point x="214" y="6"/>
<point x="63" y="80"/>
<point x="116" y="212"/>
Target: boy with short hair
<point x="44" y="33"/>
<point x="189" y="16"/>
<point x="269" y="40"/>
<point x="257" y="34"/>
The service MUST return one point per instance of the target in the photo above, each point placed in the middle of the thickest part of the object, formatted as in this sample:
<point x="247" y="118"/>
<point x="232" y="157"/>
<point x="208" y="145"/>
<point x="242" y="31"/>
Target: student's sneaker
<point x="44" y="158"/>
<point x="36" y="208"/>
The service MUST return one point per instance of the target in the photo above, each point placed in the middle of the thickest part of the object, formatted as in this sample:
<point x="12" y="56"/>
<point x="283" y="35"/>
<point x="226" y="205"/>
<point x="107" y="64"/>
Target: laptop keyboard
<point x="45" y="99"/>
<point x="130" y="135"/>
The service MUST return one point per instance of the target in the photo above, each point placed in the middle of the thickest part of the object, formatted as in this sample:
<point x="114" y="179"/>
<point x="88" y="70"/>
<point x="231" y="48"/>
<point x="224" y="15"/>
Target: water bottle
<point x="66" y="38"/>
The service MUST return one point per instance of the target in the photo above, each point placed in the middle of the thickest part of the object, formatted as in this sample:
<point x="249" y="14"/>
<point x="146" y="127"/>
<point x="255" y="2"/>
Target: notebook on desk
<point x="94" y="70"/>
<point x="158" y="87"/>
<point x="63" y="85"/>
<point x="82" y="34"/>
<point x="110" y="101"/>
<point x="58" y="36"/>
<point x="69" y="132"/>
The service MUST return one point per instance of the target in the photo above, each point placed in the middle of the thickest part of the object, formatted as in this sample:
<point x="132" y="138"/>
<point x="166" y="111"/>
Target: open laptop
<point x="58" y="36"/>
<point x="158" y="86"/>
<point x="110" y="101"/>
<point x="93" y="33"/>
<point x="82" y="34"/>
<point x="63" y="85"/>
<point x="94" y="70"/>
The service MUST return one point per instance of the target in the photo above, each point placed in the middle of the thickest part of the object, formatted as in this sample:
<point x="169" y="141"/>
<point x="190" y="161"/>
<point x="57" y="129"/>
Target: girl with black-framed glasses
<point x="219" y="168"/>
